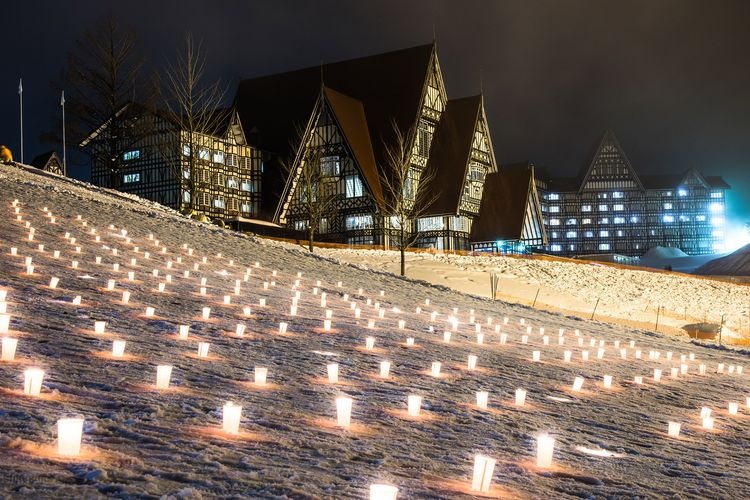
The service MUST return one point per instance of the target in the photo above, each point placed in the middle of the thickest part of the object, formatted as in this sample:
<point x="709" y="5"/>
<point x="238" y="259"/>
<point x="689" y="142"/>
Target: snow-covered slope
<point x="141" y="441"/>
<point x="735" y="264"/>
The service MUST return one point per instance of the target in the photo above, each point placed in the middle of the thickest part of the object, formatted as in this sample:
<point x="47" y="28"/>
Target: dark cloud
<point x="670" y="77"/>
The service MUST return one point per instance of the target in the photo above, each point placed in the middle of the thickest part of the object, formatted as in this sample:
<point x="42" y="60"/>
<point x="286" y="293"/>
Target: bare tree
<point x="102" y="80"/>
<point x="406" y="191"/>
<point x="317" y="180"/>
<point x="194" y="109"/>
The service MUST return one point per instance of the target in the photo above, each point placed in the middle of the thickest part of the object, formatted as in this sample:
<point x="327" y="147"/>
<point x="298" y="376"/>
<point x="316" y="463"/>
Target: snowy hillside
<point x="735" y="264"/>
<point x="144" y="441"/>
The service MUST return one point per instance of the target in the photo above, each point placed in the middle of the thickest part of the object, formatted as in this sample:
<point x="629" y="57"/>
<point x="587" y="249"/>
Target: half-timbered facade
<point x="611" y="209"/>
<point x="221" y="179"/>
<point x="49" y="162"/>
<point x="344" y="116"/>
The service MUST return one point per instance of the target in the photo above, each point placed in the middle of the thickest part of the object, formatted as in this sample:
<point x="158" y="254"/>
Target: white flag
<point x="20" y="85"/>
<point x="62" y="99"/>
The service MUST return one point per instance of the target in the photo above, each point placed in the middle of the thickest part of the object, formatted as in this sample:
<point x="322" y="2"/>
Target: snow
<point x="142" y="442"/>
<point x="663" y="253"/>
<point x="735" y="264"/>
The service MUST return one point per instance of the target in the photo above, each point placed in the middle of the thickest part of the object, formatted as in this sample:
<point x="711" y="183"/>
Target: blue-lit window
<point x="219" y="202"/>
<point x="203" y="154"/>
<point x="301" y="225"/>
<point x="668" y="218"/>
<point x="604" y="220"/>
<point x="131" y="155"/>
<point x="619" y="220"/>
<point x="130" y="178"/>
<point x="682" y="192"/>
<point x="634" y="219"/>
<point x="358" y="222"/>
<point x="716" y="194"/>
<point x="570" y="222"/>
<point x="620" y="233"/>
<point x="585" y="208"/>
<point x="603" y="208"/>
<point x="571" y="234"/>
<point x="617" y="194"/>
<point x="603" y="246"/>
<point x="618" y="208"/>
<point x="554" y="196"/>
<point x="556" y="248"/>
<point x="554" y="222"/>
<point x="554" y="209"/>
<point x="218" y="156"/>
<point x="700" y="218"/>
<point x="667" y="206"/>
<point x="589" y="234"/>
<point x="354" y="188"/>
<point x="716" y="207"/>
<point x="585" y="221"/>
<point x="247" y="186"/>
<point x="553" y="235"/>
<point x="603" y="234"/>
<point x="684" y="218"/>
<point x="245" y="208"/>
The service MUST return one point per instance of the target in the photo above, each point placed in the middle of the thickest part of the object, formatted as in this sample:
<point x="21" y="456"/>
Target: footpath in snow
<point x="268" y="309"/>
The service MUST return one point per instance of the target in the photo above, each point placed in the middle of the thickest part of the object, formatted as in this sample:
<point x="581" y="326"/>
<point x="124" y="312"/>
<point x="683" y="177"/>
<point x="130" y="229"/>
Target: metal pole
<point x="595" y="306"/>
<point x="65" y="161"/>
<point x="658" y="309"/>
<point x="20" y="99"/>
<point x="536" y="297"/>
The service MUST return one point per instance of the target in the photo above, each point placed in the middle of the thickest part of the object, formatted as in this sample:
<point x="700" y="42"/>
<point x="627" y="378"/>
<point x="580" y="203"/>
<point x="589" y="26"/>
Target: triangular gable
<point x="692" y="177"/>
<point x="350" y="116"/>
<point x="450" y="154"/>
<point x="510" y="209"/>
<point x="234" y="129"/>
<point x="609" y="164"/>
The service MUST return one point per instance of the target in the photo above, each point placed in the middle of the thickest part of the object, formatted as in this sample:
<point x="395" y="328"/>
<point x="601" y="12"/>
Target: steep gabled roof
<point x="389" y="86"/>
<point x="450" y="153"/>
<point x="503" y="210"/>
<point x="42" y="160"/>
<point x="609" y="140"/>
<point x="350" y="116"/>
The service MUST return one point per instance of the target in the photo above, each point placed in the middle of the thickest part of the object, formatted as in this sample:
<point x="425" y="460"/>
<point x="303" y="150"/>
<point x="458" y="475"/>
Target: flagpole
<point x="20" y="98"/>
<point x="62" y="105"/>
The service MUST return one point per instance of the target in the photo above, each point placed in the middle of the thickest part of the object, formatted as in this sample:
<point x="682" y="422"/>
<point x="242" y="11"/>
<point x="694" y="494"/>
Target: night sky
<point x="670" y="77"/>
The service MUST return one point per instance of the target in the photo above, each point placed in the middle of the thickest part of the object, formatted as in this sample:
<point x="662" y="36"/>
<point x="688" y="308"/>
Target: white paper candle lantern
<point x="183" y="332"/>
<point x="262" y="302"/>
<point x="675" y="372"/>
<point x="739" y="370"/>
<point x="369" y="343"/>
<point x="585" y="355"/>
<point x="69" y="431"/>
<point x="329" y="314"/>
<point x="131" y="275"/>
<point x="482" y="397"/>
<point x="472" y="362"/>
<point x="567" y="355"/>
<point x="580" y="342"/>
<point x="202" y="290"/>
<point x="414" y="405"/>
<point x="99" y="326"/>
<point x="503" y="338"/>
<point x="333" y="372"/>
<point x="206" y="313"/>
<point x="227" y="300"/>
<point x="435" y="370"/>
<point x="480" y="338"/>
<point x="637" y="354"/>
<point x="261" y="374"/>
<point x="383" y="492"/>
<point x="520" y="399"/>
<point x="673" y="429"/>
<point x="702" y="369"/>
<point x="600" y="353"/>
<point x="545" y="340"/>
<point x="528" y="330"/>
<point x="163" y="374"/>
<point x="343" y="411"/>
<point x="733" y="407"/>
<point x="162" y="287"/>
<point x="293" y="311"/>
<point x="401" y="324"/>
<point x="53" y="282"/>
<point x="632" y="344"/>
<point x="118" y="348"/>
<point x="410" y="341"/>
<point x="483" y="469"/>
<point x="282" y="327"/>
<point x="705" y="412"/>
<point x="684" y="369"/>
<point x="327" y="325"/>
<point x="669" y="356"/>
<point x="536" y="356"/>
<point x="446" y="337"/>
<point x="32" y="381"/>
<point x="638" y="380"/>
<point x="3" y="295"/>
<point x="657" y="374"/>
<point x="125" y="297"/>
<point x="115" y="267"/>
<point x="150" y="312"/>
<point x="607" y="381"/>
<point x="77" y="300"/>
<point x="4" y="323"/>
<point x="370" y="323"/>
<point x="747" y="402"/>
<point x="385" y="369"/>
<point x="231" y="418"/>
<point x="203" y="349"/>
<point x="708" y="423"/>
<point x="577" y="384"/>
<point x="524" y="339"/>
<point x="730" y="369"/>
<point x="545" y="446"/>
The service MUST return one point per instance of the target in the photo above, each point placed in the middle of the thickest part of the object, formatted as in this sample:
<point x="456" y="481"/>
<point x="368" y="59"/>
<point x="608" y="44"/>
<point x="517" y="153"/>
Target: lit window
<point x="219" y="157"/>
<point x="128" y="178"/>
<point x="667" y="206"/>
<point x="619" y="207"/>
<point x="247" y="186"/>
<point x="245" y="208"/>
<point x="700" y="218"/>
<point x="554" y="209"/>
<point x="556" y="248"/>
<point x="554" y="222"/>
<point x="682" y="192"/>
<point x="186" y="173"/>
<point x="585" y="208"/>
<point x="668" y="193"/>
<point x="323" y="226"/>
<point x="186" y="149"/>
<point x="589" y="234"/>
<point x="354" y="187"/>
<point x="554" y="196"/>
<point x="232" y="183"/>
<point x="619" y="233"/>
<point x="570" y="222"/>
<point x="301" y="225"/>
<point x="231" y="160"/>
<point x="619" y="220"/>
<point x="330" y="165"/>
<point x="554" y="234"/>
<point x="219" y="202"/>
<point x="604" y="220"/>
<point x="571" y="234"/>
<point x="571" y="247"/>
<point x="684" y="218"/>
<point x="131" y="155"/>
<point x="186" y="196"/>
<point x="430" y="224"/>
<point x="603" y="246"/>
<point x="717" y="221"/>
<point x="634" y="219"/>
<point x="203" y="154"/>
<point x="668" y="218"/>
<point x="603" y="234"/>
<point x="603" y="195"/>
<point x="603" y="208"/>
<point x="585" y="221"/>
<point x="617" y="194"/>
<point x="220" y="180"/>
<point x="716" y="207"/>
<point x="358" y="222"/>
<point x="716" y="194"/>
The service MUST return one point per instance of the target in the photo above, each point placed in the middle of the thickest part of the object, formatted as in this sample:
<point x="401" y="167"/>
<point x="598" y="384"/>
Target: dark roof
<point x="449" y="154"/>
<point x="389" y="87"/>
<point x="503" y="208"/>
<point x="43" y="159"/>
<point x="350" y="116"/>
